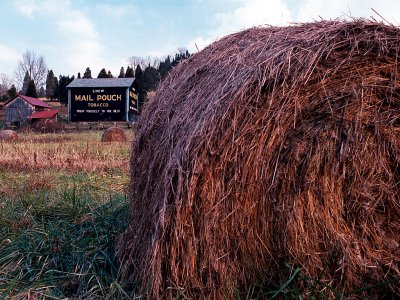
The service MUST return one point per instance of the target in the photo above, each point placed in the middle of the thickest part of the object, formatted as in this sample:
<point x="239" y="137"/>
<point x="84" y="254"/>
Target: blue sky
<point x="75" y="34"/>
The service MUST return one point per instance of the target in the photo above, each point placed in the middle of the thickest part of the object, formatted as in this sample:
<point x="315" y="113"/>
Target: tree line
<point x="38" y="81"/>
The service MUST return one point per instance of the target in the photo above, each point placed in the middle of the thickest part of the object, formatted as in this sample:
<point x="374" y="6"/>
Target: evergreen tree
<point x="27" y="79"/>
<point x="151" y="78"/>
<point x="109" y="75"/>
<point x="129" y="72"/>
<point x="138" y="85"/>
<point x="102" y="74"/>
<point x="165" y="67"/>
<point x="42" y="92"/>
<point x="31" y="90"/>
<point x="51" y="85"/>
<point x="55" y="95"/>
<point x="88" y="73"/>
<point x="79" y="75"/>
<point x="138" y="79"/>
<point x="12" y="92"/>
<point x="180" y="56"/>
<point x="9" y="94"/>
<point x="121" y="73"/>
<point x="62" y="88"/>
<point x="176" y="59"/>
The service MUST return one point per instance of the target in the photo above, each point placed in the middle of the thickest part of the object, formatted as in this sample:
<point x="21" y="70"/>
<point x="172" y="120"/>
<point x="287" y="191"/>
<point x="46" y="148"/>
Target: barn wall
<point x="18" y="111"/>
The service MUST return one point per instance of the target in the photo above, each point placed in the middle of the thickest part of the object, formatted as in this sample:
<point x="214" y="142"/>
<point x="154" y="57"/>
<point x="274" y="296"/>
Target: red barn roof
<point x="43" y="114"/>
<point x="31" y="101"/>
<point x="34" y="101"/>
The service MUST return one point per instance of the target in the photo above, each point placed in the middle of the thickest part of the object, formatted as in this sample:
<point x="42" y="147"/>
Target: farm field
<point x="62" y="204"/>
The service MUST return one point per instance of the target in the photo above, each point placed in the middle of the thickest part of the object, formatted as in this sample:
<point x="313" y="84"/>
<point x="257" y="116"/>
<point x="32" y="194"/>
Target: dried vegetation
<point x="62" y="206"/>
<point x="271" y="146"/>
<point x="114" y="134"/>
<point x="62" y="152"/>
<point x="8" y="135"/>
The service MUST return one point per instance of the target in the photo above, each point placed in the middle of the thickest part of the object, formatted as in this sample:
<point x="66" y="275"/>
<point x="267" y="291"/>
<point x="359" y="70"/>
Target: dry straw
<point x="8" y="135"/>
<point x="273" y="145"/>
<point x="114" y="134"/>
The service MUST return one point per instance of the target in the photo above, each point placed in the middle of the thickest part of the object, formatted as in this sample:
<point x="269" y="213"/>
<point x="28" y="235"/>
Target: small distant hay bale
<point x="272" y="146"/>
<point x="114" y="134"/>
<point x="8" y="135"/>
<point x="47" y="126"/>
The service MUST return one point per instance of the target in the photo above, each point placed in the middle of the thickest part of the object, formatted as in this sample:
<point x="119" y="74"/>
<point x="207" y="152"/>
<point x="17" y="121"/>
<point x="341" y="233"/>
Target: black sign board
<point x="98" y="104"/>
<point x="133" y="100"/>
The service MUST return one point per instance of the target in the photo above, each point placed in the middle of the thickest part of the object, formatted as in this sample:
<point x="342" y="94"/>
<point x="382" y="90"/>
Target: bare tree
<point x="154" y="61"/>
<point x="144" y="62"/>
<point x="182" y="50"/>
<point x="34" y="65"/>
<point x="133" y="61"/>
<point x="5" y="84"/>
<point x="3" y="90"/>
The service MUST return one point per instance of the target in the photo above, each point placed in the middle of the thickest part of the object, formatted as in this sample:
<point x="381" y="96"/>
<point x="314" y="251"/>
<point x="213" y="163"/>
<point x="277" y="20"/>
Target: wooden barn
<point x="18" y="110"/>
<point x="51" y="114"/>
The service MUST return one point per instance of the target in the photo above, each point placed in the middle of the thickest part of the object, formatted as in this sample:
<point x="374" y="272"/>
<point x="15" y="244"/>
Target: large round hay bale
<point x="114" y="134"/>
<point x="8" y="135"/>
<point x="270" y="146"/>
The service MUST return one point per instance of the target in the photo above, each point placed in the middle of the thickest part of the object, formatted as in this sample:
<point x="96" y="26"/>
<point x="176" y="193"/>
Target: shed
<point x="18" y="109"/>
<point x="102" y="99"/>
<point x="46" y="114"/>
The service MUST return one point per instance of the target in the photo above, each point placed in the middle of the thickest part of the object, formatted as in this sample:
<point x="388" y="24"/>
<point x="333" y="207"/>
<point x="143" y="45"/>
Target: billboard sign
<point x="133" y="100"/>
<point x="98" y="104"/>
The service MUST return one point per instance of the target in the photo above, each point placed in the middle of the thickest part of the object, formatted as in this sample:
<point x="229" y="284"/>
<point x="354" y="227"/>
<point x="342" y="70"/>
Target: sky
<point x="74" y="34"/>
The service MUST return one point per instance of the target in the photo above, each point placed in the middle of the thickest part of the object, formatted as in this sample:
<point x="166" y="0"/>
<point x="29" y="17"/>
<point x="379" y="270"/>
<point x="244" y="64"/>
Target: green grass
<point x="61" y="245"/>
<point x="59" y="223"/>
<point x="299" y="286"/>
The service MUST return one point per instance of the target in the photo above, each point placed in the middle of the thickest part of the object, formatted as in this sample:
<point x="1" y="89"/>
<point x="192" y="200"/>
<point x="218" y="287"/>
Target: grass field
<point x="62" y="204"/>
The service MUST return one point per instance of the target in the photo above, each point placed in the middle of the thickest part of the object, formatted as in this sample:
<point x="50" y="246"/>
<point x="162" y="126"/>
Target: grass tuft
<point x="63" y="249"/>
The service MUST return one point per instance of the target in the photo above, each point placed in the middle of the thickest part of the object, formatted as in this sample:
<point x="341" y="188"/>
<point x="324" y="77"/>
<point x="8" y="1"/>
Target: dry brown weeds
<point x="70" y="152"/>
<point x="270" y="146"/>
<point x="114" y="134"/>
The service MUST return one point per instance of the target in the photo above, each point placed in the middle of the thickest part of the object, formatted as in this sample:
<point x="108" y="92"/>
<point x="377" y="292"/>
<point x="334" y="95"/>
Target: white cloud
<point x="82" y="42"/>
<point x="248" y="13"/>
<point x="199" y="43"/>
<point x="116" y="11"/>
<point x="163" y="49"/>
<point x="9" y="57"/>
<point x="31" y="7"/>
<point x="314" y="9"/>
<point x="253" y="13"/>
<point x="77" y="24"/>
<point x="25" y="7"/>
